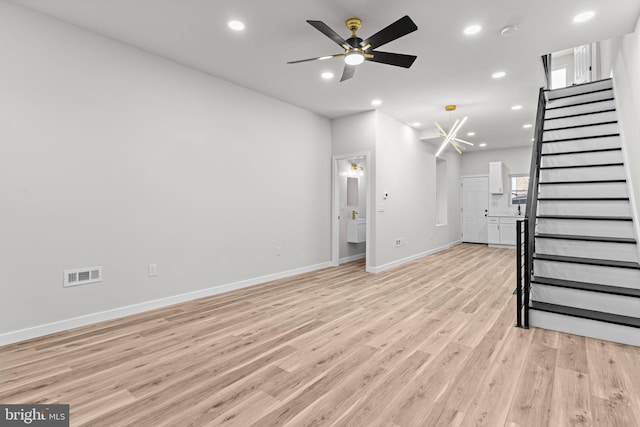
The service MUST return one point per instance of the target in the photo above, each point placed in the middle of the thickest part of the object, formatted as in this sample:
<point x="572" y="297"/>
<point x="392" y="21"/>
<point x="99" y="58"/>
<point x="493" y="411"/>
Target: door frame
<point x="462" y="202"/>
<point x="335" y="207"/>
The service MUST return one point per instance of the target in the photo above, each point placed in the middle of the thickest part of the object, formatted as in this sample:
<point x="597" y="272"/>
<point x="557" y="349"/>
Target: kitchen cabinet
<point x="496" y="180"/>
<point x="493" y="230"/>
<point x="502" y="231"/>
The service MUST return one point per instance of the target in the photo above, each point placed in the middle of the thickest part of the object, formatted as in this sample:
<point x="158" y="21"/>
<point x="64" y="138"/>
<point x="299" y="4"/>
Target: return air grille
<point x="82" y="276"/>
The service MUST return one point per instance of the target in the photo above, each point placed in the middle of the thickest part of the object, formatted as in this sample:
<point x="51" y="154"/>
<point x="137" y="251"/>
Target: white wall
<point x="111" y="156"/>
<point x="517" y="161"/>
<point x="350" y="250"/>
<point x="626" y="74"/>
<point x="356" y="134"/>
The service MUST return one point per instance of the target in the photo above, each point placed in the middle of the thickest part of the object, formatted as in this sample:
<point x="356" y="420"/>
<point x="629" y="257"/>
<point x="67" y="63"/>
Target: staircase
<point x="585" y="271"/>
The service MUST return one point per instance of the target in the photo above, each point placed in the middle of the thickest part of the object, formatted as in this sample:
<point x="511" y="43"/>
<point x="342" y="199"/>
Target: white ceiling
<point x="451" y="68"/>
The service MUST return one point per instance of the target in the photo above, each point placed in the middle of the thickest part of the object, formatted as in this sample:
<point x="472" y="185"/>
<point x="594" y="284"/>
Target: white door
<point x="475" y="205"/>
<point x="582" y="64"/>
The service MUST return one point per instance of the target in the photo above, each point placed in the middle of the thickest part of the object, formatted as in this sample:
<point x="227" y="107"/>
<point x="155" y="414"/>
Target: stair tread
<point x="586" y="238"/>
<point x="582" y="199"/>
<point x="580" y="103"/>
<point x="560" y="89"/>
<point x="589" y="218"/>
<point x="610" y="110"/>
<point x="592" y="287"/>
<point x="581" y="93"/>
<point x="605" y="181"/>
<point x="586" y="125"/>
<point x="593" y="165"/>
<point x="595" y="150"/>
<point x="581" y="137"/>
<point x="589" y="261"/>
<point x="586" y="314"/>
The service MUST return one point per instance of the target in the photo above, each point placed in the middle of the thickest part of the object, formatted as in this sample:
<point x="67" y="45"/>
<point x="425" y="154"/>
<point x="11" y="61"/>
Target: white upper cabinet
<point x="496" y="182"/>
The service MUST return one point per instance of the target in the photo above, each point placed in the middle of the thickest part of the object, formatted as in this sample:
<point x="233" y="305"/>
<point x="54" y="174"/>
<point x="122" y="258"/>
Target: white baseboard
<point x="63" y="325"/>
<point x="352" y="258"/>
<point x="411" y="258"/>
<point x="494" y="246"/>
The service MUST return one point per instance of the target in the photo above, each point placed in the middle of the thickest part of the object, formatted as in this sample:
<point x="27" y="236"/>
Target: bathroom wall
<point x="350" y="251"/>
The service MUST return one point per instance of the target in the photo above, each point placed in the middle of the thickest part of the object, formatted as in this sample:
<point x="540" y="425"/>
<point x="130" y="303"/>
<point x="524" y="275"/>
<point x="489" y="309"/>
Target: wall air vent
<point x="82" y="276"/>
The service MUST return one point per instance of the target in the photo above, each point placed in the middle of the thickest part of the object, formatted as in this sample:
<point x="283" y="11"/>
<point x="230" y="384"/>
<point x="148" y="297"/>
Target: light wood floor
<point x="431" y="343"/>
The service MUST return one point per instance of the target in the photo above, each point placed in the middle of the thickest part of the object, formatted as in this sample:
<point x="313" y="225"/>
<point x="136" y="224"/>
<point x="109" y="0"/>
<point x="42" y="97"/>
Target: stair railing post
<point x="519" y="274"/>
<point x="527" y="273"/>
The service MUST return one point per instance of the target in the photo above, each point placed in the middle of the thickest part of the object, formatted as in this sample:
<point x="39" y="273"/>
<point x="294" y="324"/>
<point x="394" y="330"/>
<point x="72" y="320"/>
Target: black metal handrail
<point x="546" y="66"/>
<point x="526" y="229"/>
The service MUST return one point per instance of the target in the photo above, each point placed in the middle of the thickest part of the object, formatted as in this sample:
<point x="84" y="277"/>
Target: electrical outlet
<point x="400" y="241"/>
<point x="153" y="270"/>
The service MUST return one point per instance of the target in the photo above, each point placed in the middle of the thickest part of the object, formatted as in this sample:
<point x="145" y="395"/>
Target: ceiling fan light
<point x="354" y="58"/>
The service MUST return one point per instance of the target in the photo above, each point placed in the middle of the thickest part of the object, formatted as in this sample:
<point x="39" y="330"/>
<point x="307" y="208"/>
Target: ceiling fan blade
<point x="401" y="27"/>
<point x="320" y="58"/>
<point x="397" y="59"/>
<point x="324" y="29"/>
<point x="349" y="71"/>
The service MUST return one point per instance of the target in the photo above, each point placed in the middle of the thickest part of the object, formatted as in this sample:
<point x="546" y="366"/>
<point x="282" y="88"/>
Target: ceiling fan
<point x="450" y="137"/>
<point x="357" y="50"/>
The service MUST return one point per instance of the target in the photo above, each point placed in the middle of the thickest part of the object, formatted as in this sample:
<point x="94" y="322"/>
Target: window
<point x="519" y="186"/>
<point x="559" y="78"/>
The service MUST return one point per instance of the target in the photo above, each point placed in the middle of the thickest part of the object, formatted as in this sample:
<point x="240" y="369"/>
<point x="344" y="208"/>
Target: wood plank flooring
<point x="430" y="343"/>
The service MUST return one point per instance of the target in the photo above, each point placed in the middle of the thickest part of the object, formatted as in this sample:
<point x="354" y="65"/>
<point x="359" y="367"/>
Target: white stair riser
<point x="605" y="189"/>
<point x="582" y="132"/>
<point x="585" y="228"/>
<point x="585" y="327"/>
<point x="609" y="116"/>
<point x="582" y="174"/>
<point x="581" y="145"/>
<point x="585" y="208"/>
<point x="580" y="109"/>
<point x="583" y="159"/>
<point x="586" y="249"/>
<point x="579" y="99"/>
<point x="578" y="89"/>
<point x="596" y="301"/>
<point x="613" y="276"/>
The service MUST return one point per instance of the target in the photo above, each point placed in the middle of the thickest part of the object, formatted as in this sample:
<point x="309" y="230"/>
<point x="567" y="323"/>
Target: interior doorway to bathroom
<point x="351" y="228"/>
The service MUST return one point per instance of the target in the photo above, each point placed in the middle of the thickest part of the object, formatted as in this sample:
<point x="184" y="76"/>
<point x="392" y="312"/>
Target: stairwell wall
<point x="626" y="75"/>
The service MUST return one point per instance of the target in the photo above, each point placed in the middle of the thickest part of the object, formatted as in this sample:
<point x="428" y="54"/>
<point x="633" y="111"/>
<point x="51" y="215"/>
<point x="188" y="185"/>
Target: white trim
<point x="76" y="322"/>
<point x="335" y="208"/>
<point x="352" y="258"/>
<point x="412" y="258"/>
<point x="496" y="246"/>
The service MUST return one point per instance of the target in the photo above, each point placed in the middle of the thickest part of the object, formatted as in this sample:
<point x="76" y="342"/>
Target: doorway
<point x="475" y="209"/>
<point x="351" y="208"/>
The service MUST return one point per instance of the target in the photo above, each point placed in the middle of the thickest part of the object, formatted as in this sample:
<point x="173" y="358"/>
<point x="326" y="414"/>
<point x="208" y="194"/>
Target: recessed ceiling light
<point x="584" y="16"/>
<point x="376" y="102"/>
<point x="498" y="75"/>
<point x="471" y="133"/>
<point x="517" y="107"/>
<point x="533" y="139"/>
<point x="527" y="126"/>
<point x="327" y="75"/>
<point x="482" y="145"/>
<point x="236" y="25"/>
<point x="416" y="124"/>
<point x="472" y="29"/>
